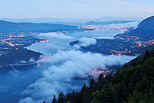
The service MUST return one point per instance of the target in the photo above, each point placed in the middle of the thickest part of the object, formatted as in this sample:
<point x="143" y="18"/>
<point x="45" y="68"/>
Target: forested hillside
<point x="132" y="84"/>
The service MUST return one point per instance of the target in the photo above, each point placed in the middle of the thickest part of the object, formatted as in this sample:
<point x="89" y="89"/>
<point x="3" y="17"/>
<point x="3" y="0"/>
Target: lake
<point x="56" y="73"/>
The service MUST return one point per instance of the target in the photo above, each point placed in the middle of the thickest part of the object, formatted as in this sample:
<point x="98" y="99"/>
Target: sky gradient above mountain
<point x="75" y="8"/>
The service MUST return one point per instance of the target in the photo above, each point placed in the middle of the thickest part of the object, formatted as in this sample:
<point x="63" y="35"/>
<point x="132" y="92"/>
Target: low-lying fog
<point x="58" y="71"/>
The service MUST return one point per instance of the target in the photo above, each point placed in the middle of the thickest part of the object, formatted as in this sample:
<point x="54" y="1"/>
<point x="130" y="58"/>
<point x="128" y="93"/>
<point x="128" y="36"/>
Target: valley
<point x="46" y="58"/>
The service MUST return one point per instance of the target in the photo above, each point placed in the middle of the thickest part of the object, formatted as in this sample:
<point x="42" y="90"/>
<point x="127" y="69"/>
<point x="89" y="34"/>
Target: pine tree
<point x="54" y="100"/>
<point x="85" y="95"/>
<point x="147" y="54"/>
<point x="92" y="84"/>
<point x="61" y="98"/>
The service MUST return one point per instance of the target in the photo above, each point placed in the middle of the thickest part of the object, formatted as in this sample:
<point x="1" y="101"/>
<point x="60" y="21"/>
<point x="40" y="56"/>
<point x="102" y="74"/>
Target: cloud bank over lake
<point x="64" y="67"/>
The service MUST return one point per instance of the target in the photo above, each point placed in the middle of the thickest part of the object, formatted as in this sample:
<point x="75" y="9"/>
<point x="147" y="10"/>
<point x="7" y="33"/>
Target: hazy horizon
<point x="81" y="9"/>
<point x="113" y="17"/>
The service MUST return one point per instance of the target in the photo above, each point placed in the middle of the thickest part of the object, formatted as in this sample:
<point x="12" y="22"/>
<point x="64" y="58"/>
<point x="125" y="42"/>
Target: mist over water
<point x="64" y="67"/>
<point x="60" y="41"/>
<point x="57" y="73"/>
<point x="67" y="63"/>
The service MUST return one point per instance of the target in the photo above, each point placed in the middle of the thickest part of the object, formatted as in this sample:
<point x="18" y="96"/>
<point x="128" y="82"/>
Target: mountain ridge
<point x="6" y="26"/>
<point x="145" y="30"/>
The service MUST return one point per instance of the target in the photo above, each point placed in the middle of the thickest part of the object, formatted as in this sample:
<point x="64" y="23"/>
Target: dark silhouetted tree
<point x="61" y="98"/>
<point x="54" y="100"/>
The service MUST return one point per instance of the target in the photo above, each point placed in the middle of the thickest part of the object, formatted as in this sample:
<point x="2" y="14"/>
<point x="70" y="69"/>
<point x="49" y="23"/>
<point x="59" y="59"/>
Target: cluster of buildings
<point x="17" y="40"/>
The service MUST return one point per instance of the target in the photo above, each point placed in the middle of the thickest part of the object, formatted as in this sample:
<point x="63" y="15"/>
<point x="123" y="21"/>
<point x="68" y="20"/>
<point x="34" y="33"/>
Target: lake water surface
<point x="56" y="74"/>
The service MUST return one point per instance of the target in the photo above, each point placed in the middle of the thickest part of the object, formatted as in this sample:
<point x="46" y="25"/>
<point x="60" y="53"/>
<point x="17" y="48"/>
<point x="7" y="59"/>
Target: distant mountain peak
<point x="145" y="30"/>
<point x="148" y="21"/>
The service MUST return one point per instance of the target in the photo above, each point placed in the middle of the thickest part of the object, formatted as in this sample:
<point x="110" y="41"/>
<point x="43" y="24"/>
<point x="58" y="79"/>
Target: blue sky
<point x="75" y="8"/>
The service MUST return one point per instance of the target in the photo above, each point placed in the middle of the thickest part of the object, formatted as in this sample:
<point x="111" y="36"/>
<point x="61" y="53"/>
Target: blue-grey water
<point x="22" y="85"/>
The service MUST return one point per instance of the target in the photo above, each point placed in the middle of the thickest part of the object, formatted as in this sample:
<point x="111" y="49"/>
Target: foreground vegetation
<point x="134" y="83"/>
